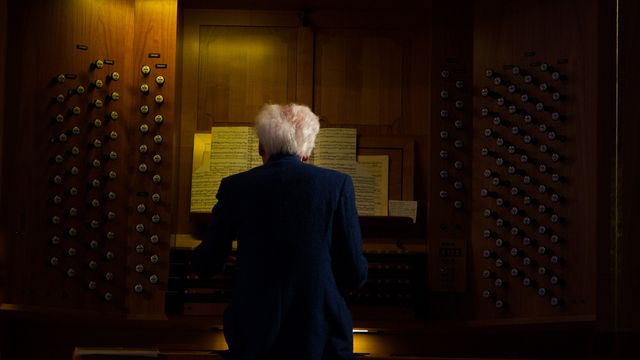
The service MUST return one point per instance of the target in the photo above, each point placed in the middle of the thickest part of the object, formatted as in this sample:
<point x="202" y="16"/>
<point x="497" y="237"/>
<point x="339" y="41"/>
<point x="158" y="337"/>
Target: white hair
<point x="290" y="129"/>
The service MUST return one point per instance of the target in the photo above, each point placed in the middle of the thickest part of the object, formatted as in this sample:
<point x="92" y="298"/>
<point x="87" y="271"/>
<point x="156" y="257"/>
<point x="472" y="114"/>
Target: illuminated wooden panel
<point x="358" y="76"/>
<point x="76" y="143"/>
<point x="243" y="68"/>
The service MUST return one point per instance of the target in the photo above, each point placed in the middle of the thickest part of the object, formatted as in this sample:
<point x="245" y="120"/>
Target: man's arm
<point x="210" y="257"/>
<point x="350" y="267"/>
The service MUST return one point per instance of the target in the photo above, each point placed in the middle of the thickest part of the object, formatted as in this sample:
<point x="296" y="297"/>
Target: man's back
<point x="299" y="245"/>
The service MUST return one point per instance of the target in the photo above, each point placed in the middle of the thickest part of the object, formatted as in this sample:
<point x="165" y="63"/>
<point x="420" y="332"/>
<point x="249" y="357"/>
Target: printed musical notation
<point x="230" y="150"/>
<point x="378" y="167"/>
<point x="336" y="149"/>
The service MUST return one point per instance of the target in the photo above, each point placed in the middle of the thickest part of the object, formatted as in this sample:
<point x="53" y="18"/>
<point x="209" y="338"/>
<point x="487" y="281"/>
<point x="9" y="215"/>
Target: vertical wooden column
<point x="451" y="143"/>
<point x="3" y="64"/>
<point x="628" y="282"/>
<point x="154" y="46"/>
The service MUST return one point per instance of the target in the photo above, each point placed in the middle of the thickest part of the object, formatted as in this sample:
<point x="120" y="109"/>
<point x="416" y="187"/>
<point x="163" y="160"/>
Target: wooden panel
<point x="71" y="36"/>
<point x="566" y="40"/>
<point x="4" y="247"/>
<point x="282" y="72"/>
<point x="241" y="69"/>
<point x="358" y="77"/>
<point x="627" y="278"/>
<point x="155" y="33"/>
<point x="450" y="122"/>
<point x="36" y="283"/>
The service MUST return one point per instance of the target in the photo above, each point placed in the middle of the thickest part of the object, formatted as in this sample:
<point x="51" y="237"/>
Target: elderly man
<point x="299" y="247"/>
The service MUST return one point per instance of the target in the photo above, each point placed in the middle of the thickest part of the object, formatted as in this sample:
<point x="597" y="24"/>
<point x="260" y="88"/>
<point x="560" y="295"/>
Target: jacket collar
<point x="282" y="157"/>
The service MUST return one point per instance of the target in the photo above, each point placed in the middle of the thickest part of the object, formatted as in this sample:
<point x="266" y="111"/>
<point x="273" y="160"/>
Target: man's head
<point x="289" y="129"/>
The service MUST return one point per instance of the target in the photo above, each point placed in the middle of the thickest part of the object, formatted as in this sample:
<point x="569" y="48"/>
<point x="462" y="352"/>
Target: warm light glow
<point x="360" y="331"/>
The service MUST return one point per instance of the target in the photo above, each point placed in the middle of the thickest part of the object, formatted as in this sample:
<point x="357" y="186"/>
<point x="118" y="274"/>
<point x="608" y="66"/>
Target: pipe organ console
<point x="509" y="160"/>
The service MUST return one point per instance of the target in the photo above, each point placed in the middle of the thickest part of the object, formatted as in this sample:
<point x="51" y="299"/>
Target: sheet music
<point x="223" y="152"/>
<point x="336" y="149"/>
<point x="203" y="190"/>
<point x="403" y="208"/>
<point x="365" y="188"/>
<point x="231" y="148"/>
<point x="378" y="166"/>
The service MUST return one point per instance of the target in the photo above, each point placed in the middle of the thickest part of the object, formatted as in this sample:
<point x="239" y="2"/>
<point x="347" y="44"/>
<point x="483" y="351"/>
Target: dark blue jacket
<point x="299" y="248"/>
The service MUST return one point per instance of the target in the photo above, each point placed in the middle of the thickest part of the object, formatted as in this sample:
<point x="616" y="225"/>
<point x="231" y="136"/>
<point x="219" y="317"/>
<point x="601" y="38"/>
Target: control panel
<point x="84" y="201"/>
<point x="523" y="196"/>
<point x="448" y="265"/>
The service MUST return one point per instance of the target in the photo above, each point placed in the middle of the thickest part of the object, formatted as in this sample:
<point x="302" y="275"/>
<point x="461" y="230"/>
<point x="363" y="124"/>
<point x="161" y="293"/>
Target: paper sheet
<point x="364" y="186"/>
<point x="336" y="149"/>
<point x="223" y="152"/>
<point x="403" y="208"/>
<point x="230" y="150"/>
<point x="378" y="167"/>
<point x="234" y="148"/>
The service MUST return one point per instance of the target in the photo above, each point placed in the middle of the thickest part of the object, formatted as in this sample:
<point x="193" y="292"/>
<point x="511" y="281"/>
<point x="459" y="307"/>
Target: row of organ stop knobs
<point x="524" y="182"/>
<point x="457" y="117"/>
<point x="68" y="239"/>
